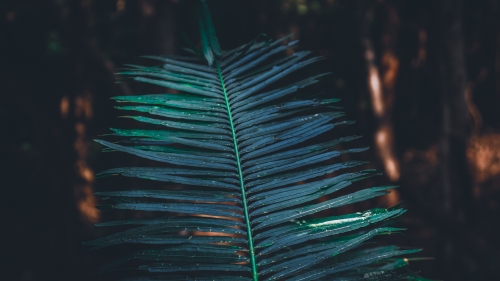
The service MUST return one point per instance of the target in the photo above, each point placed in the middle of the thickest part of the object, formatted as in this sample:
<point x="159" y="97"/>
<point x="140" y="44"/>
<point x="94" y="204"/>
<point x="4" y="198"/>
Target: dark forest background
<point x="421" y="78"/>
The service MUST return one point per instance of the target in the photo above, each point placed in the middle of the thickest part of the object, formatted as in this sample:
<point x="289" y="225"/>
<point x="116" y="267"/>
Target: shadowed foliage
<point x="247" y="151"/>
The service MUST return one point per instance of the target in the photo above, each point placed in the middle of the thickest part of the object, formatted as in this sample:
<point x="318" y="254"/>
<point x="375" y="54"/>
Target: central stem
<point x="240" y="175"/>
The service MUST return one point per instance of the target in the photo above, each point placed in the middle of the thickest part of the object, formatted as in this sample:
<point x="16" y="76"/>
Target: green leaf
<point x="181" y="87"/>
<point x="290" y="235"/>
<point x="207" y="105"/>
<point x="343" y="266"/>
<point x="173" y="267"/>
<point x="283" y="216"/>
<point x="187" y="253"/>
<point x="150" y="233"/>
<point x="200" y="221"/>
<point x="186" y="208"/>
<point x="172" y="158"/>
<point x="249" y="154"/>
<point x="308" y="192"/>
<point x="163" y="240"/>
<point x="206" y="128"/>
<point x="182" y="63"/>
<point x="214" y="43"/>
<point x="178" y="114"/>
<point x="205" y="40"/>
<point x="290" y="192"/>
<point x="298" y="264"/>
<point x="191" y="195"/>
<point x="189" y="278"/>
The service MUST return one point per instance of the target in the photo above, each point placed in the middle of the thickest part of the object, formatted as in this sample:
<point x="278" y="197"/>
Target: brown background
<point x="421" y="78"/>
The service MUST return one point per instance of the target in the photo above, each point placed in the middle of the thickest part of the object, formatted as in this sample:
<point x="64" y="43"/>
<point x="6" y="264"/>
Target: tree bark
<point x="381" y="82"/>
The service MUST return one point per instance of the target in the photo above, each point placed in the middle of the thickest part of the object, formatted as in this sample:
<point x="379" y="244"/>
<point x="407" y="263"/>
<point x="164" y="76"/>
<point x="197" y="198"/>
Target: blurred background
<point x="421" y="78"/>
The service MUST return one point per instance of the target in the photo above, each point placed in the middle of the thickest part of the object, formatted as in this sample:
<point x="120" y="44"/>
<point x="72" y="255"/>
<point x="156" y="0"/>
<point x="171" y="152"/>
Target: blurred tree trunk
<point x="455" y="129"/>
<point x="454" y="197"/>
<point x="381" y="76"/>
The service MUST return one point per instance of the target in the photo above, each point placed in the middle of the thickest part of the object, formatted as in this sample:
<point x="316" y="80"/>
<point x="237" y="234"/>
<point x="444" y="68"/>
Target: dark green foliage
<point x="242" y="144"/>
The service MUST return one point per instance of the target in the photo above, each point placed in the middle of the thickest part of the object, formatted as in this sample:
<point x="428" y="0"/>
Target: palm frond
<point x="240" y="144"/>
